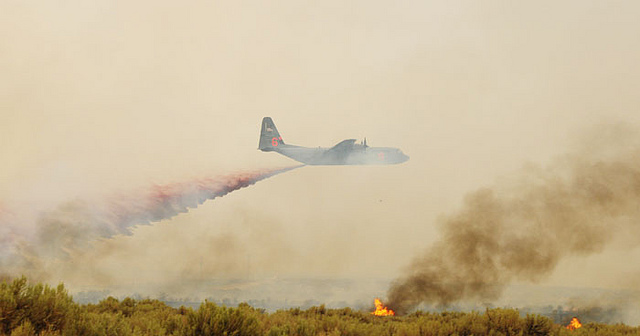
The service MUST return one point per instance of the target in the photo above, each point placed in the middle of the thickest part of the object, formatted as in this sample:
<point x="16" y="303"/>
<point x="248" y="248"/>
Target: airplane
<point x="347" y="152"/>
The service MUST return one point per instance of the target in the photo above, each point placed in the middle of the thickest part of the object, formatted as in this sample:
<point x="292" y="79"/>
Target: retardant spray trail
<point x="165" y="201"/>
<point x="75" y="224"/>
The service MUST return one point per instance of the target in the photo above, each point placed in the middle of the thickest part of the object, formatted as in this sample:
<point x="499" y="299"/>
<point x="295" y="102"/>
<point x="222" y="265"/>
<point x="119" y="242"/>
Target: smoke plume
<point x="520" y="230"/>
<point x="73" y="225"/>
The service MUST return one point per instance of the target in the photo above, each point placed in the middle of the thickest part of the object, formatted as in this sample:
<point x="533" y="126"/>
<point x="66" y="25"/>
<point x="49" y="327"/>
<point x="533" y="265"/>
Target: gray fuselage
<point x="347" y="152"/>
<point x="356" y="155"/>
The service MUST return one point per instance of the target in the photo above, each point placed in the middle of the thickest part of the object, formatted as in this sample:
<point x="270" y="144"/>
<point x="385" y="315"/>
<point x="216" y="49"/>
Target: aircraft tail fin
<point x="270" y="138"/>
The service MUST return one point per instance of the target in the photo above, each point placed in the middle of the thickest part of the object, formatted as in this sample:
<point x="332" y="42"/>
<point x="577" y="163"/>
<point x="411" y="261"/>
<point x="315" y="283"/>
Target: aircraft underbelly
<point x="304" y="155"/>
<point x="354" y="158"/>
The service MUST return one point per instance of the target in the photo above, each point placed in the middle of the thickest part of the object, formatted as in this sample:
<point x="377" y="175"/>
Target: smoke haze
<point x="75" y="225"/>
<point x="106" y="97"/>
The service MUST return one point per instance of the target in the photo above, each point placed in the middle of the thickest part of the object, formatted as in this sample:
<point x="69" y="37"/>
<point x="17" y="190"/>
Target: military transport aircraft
<point x="347" y="152"/>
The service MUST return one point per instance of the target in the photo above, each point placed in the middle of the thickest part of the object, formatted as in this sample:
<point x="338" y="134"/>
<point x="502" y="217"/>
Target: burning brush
<point x="574" y="324"/>
<point x="381" y="310"/>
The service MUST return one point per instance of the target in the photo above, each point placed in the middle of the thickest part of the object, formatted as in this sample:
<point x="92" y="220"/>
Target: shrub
<point x="43" y="307"/>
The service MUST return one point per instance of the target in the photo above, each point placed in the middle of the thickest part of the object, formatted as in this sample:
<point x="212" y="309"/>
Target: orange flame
<point x="382" y="310"/>
<point x="574" y="324"/>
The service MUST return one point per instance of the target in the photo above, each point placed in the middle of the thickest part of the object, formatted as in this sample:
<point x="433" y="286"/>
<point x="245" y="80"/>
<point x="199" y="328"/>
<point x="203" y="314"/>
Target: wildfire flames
<point x="381" y="310"/>
<point x="574" y="324"/>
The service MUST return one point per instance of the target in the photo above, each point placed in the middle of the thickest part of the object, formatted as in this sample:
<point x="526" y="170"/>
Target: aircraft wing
<point x="343" y="146"/>
<point x="339" y="153"/>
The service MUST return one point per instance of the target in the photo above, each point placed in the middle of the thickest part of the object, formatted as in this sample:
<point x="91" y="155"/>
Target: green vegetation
<point x="42" y="310"/>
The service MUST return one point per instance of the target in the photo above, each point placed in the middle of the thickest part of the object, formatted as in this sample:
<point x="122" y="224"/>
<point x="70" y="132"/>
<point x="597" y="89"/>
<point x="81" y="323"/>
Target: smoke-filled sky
<point x="106" y="97"/>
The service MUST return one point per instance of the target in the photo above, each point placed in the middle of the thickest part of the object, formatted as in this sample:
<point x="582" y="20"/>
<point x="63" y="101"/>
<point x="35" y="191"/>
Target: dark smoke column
<point x="521" y="231"/>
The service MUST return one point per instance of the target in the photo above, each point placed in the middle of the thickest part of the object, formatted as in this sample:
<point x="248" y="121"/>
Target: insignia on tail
<point x="270" y="138"/>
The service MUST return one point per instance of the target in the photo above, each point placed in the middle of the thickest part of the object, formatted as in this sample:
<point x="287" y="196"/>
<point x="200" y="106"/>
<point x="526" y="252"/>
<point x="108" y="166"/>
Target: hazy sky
<point x="102" y="97"/>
